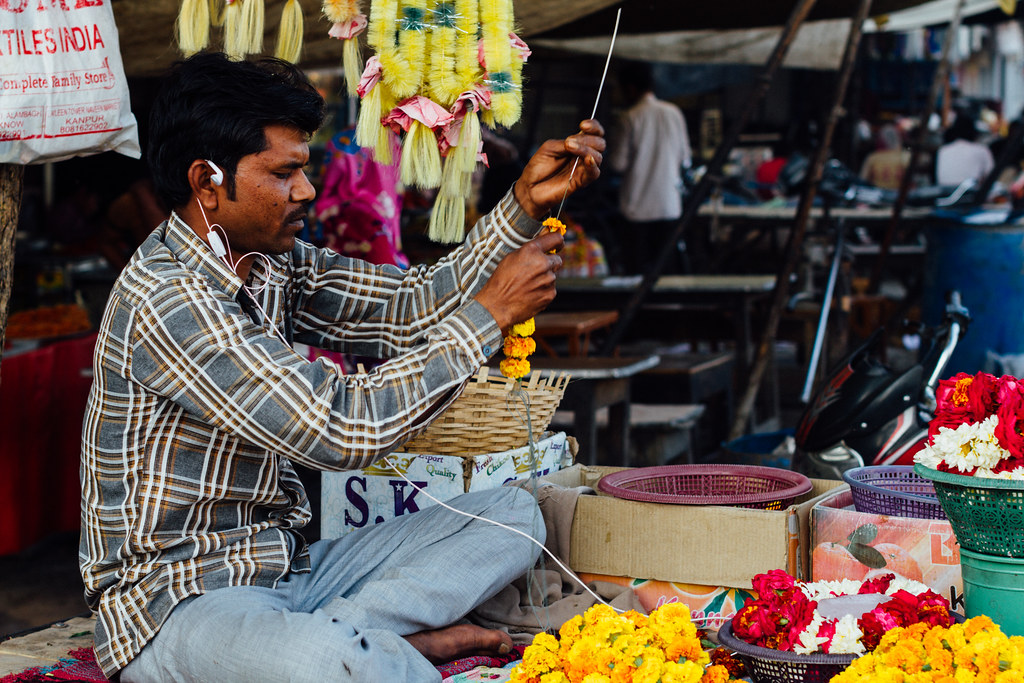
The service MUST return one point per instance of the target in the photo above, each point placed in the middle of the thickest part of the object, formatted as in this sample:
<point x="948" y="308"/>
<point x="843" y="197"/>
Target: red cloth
<point x="42" y="403"/>
<point x="78" y="665"/>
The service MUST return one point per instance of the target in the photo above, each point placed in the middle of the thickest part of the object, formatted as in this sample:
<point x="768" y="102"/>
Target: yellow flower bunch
<point x="602" y="646"/>
<point x="976" y="650"/>
<point x="518" y="345"/>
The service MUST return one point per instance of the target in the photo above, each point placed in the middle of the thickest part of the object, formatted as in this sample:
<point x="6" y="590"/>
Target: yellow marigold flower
<point x="553" y="224"/>
<point x="525" y="328"/>
<point x="514" y="367"/>
<point x="554" y="677"/>
<point x="518" y="347"/>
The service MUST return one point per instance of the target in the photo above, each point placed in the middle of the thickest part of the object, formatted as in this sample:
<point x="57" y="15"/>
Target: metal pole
<point x="700" y="193"/>
<point x="938" y="83"/>
<point x="826" y="305"/>
<point x="800" y="225"/>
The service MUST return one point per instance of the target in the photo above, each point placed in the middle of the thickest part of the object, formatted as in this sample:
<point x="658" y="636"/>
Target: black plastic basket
<point x="894" y="490"/>
<point x="766" y="665"/>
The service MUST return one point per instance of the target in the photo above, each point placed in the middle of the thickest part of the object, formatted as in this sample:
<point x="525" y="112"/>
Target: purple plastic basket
<point x="766" y="665"/>
<point x="749" y="486"/>
<point x="894" y="490"/>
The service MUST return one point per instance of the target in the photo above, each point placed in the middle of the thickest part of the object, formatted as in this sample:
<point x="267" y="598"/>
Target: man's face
<point x="272" y="195"/>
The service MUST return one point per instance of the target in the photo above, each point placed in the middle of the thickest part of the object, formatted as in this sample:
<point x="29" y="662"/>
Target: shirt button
<point x="487" y="349"/>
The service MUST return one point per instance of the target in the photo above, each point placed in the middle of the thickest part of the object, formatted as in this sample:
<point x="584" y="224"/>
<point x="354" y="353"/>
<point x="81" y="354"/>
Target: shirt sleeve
<point x="200" y="349"/>
<point x="382" y="311"/>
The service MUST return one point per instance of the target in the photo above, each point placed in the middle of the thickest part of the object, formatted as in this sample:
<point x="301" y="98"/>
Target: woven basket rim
<point x="614" y="484"/>
<point x="728" y="639"/>
<point x="968" y="480"/>
<point x="850" y="477"/>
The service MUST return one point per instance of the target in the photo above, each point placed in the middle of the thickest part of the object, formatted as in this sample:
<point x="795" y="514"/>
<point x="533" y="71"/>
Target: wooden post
<point x="11" y="182"/>
<point x="712" y="175"/>
<point x="940" y="84"/>
<point x="800" y="225"/>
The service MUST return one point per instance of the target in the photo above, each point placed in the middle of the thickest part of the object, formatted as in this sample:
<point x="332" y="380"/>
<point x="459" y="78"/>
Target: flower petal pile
<point x="602" y="646"/>
<point x="976" y="650"/>
<point x="785" y="614"/>
<point x="978" y="428"/>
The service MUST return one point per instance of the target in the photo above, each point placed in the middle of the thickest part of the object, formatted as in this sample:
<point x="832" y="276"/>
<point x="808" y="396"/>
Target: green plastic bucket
<point x="994" y="586"/>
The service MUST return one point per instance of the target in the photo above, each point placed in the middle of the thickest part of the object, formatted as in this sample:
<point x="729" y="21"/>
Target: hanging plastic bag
<point x="63" y="91"/>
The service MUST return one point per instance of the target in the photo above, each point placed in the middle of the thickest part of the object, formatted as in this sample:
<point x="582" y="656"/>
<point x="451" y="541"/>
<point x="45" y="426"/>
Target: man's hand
<point x="544" y="180"/>
<point x="523" y="284"/>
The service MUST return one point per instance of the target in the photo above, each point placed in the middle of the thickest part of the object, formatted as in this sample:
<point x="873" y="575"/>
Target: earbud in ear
<point x="217" y="177"/>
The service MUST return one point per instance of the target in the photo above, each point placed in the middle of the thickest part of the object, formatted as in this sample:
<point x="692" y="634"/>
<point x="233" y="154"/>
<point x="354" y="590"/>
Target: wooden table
<point x="734" y="293"/>
<point x="595" y="383"/>
<point x="576" y="326"/>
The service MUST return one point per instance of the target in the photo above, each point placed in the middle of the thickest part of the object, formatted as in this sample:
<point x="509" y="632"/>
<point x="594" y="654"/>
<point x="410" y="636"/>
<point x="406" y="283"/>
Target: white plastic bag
<point x="63" y="91"/>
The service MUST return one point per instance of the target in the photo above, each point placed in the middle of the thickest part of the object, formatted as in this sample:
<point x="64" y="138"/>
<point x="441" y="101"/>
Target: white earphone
<point x="218" y="175"/>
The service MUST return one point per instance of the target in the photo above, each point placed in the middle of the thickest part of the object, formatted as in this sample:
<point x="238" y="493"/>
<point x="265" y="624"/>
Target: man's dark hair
<point x="637" y="77"/>
<point x="963" y="128"/>
<point x="211" y="107"/>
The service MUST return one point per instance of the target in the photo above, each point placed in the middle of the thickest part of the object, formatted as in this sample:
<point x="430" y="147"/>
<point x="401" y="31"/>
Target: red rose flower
<point x="902" y="607"/>
<point x="828" y="632"/>
<point x="796" y="615"/>
<point x="768" y="586"/>
<point x="879" y="584"/>
<point x="1011" y="415"/>
<point x="873" y="625"/>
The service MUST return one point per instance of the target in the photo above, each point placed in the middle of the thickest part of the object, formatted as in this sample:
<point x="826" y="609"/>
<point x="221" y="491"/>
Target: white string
<point x="568" y="571"/>
<point x="233" y="265"/>
<point x="600" y="87"/>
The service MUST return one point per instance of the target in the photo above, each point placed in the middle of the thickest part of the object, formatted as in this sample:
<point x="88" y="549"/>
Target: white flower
<point x="966" y="448"/>
<point x="847" y="637"/>
<point x="820" y="590"/>
<point x="809" y="642"/>
<point x="909" y="585"/>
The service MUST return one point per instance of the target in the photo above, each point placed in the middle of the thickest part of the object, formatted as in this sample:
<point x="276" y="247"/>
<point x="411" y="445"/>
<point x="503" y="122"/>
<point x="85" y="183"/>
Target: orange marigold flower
<point x="518" y="347"/>
<point x="514" y="367"/>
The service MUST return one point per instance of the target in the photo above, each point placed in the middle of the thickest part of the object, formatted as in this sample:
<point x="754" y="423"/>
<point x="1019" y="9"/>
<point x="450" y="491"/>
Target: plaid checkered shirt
<point x="198" y="409"/>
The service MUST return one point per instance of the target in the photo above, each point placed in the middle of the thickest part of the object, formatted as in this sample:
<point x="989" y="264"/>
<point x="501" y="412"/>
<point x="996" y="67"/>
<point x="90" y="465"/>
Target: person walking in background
<point x="885" y="166"/>
<point x="962" y="157"/>
<point x="651" y="150"/>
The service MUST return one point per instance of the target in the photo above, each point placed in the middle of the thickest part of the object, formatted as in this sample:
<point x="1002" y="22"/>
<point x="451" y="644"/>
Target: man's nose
<point x="303" y="191"/>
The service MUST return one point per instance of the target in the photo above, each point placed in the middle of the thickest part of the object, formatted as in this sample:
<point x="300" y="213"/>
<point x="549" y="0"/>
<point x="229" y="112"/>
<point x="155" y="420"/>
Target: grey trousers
<point x="345" y="620"/>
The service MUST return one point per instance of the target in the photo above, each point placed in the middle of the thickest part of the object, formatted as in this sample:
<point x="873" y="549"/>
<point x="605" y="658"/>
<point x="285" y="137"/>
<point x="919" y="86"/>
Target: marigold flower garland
<point x="518" y="345"/>
<point x="976" y="650"/>
<point x="602" y="646"/>
<point x="785" y="615"/>
<point x="977" y="427"/>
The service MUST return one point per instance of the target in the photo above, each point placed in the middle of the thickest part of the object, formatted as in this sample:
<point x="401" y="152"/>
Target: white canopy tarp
<point x="818" y="44"/>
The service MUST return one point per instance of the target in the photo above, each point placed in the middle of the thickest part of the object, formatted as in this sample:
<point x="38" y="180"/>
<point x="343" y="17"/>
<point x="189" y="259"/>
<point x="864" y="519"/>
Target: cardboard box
<point x="925" y="550"/>
<point x="710" y="606"/>
<point x="710" y="545"/>
<point x="351" y="500"/>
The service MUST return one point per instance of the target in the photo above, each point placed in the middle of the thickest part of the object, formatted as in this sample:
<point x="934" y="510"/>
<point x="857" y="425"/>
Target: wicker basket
<point x="894" y="490"/>
<point x="987" y="515"/>
<point x="487" y="418"/>
<point x="766" y="665"/>
<point x="749" y="486"/>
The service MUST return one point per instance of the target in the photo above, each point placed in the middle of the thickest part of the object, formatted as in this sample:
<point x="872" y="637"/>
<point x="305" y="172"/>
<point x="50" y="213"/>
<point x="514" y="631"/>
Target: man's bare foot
<point x="458" y="641"/>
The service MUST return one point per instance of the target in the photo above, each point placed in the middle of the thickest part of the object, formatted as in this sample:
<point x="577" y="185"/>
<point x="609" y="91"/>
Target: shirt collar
<point x="196" y="255"/>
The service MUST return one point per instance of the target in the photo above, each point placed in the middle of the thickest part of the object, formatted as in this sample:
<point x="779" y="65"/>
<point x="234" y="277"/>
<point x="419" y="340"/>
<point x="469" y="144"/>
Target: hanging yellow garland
<point x="347" y="22"/>
<point x="193" y="26"/>
<point x="289" y="37"/>
<point x="518" y="344"/>
<point x="460" y="55"/>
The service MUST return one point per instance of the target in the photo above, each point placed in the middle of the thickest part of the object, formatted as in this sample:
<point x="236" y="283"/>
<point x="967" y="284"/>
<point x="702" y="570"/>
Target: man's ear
<point x="201" y="179"/>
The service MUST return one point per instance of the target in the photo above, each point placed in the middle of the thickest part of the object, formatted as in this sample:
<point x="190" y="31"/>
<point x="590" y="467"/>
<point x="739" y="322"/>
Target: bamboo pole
<point x="939" y="86"/>
<point x="11" y="184"/>
<point x="800" y="224"/>
<point x="712" y="175"/>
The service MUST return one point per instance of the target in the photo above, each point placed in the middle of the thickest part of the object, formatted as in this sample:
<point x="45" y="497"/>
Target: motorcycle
<point x="866" y="413"/>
